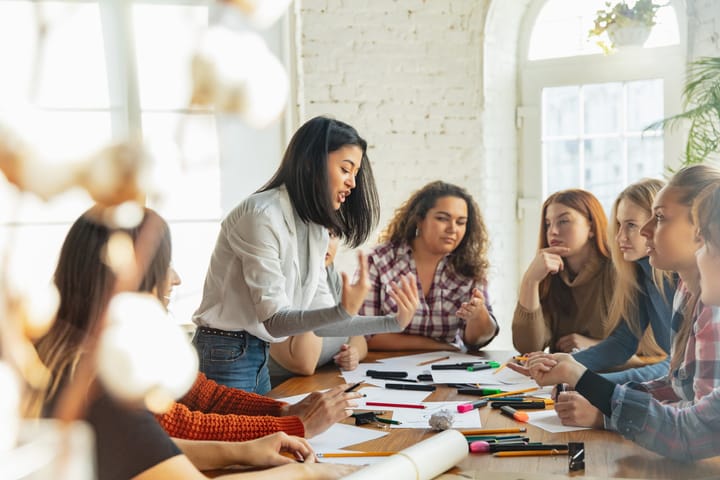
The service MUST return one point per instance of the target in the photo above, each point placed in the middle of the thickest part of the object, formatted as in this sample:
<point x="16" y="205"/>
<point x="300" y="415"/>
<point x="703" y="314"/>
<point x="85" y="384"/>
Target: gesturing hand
<point x="405" y="294"/>
<point x="353" y="295"/>
<point x="473" y="308"/>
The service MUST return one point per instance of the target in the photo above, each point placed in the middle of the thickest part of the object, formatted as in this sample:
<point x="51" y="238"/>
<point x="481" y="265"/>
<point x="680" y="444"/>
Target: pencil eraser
<point x="479" y="446"/>
<point x="466" y="407"/>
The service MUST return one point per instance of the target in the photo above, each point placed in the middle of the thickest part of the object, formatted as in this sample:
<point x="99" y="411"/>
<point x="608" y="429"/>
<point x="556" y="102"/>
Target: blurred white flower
<point x="142" y="355"/>
<point x="261" y="13"/>
<point x="116" y="174"/>
<point x="236" y="73"/>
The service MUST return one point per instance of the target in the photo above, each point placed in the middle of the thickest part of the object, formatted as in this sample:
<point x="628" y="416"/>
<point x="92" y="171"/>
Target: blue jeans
<point x="235" y="359"/>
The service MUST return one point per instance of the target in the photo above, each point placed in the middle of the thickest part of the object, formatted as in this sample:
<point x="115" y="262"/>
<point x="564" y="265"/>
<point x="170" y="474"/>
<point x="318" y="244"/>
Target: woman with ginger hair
<point x="566" y="291"/>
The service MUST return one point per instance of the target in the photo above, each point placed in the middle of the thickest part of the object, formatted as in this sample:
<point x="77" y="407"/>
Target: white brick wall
<point x="703" y="28"/>
<point x="409" y="76"/>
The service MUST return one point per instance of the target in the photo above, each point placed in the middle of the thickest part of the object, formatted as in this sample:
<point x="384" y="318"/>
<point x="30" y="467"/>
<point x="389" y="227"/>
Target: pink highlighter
<point x="466" y="407"/>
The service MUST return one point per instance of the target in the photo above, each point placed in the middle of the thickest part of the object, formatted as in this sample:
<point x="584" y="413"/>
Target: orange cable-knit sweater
<point x="215" y="412"/>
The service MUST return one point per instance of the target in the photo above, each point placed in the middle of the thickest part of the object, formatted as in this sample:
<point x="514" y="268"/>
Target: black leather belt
<point x="222" y="333"/>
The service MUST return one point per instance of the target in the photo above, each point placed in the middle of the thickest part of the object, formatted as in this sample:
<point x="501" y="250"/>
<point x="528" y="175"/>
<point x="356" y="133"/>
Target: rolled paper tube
<point x="422" y="461"/>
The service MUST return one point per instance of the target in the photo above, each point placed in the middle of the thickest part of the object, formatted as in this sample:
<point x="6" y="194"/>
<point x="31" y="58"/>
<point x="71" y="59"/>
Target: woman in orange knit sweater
<point x="208" y="411"/>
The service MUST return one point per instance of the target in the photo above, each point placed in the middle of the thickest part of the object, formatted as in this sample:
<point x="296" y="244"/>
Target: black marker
<point x="403" y="386"/>
<point x="378" y="373"/>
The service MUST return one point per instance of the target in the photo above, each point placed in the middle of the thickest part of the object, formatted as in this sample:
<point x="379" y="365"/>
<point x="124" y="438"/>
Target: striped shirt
<point x="435" y="317"/>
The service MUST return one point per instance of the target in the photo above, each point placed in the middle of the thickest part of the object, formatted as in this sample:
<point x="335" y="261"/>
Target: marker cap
<point x="465" y="407"/>
<point x="479" y="447"/>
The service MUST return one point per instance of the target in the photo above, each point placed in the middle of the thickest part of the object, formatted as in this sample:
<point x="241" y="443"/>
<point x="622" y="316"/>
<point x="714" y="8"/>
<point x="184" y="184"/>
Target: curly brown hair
<point x="470" y="257"/>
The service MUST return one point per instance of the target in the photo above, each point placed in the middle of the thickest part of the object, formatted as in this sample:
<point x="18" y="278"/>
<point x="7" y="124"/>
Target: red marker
<point x="399" y="405"/>
<point x="512" y="413"/>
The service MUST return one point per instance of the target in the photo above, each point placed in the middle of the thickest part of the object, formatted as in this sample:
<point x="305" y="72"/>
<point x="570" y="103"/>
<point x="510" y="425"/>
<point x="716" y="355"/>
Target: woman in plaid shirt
<point x="680" y="430"/>
<point x="439" y="236"/>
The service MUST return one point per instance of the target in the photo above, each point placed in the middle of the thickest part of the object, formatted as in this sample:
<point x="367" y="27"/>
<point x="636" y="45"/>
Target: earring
<point x="417" y="231"/>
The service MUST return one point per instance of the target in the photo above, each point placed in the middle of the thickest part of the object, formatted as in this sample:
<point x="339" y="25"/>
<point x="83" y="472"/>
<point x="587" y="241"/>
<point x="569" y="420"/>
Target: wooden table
<point x="607" y="454"/>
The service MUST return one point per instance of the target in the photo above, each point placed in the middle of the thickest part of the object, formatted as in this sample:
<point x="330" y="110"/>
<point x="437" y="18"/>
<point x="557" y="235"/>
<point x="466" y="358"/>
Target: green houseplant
<point x="701" y="105"/>
<point x="625" y="23"/>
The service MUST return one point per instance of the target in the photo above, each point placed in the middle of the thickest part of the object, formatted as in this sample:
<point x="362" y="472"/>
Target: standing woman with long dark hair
<point x="267" y="277"/>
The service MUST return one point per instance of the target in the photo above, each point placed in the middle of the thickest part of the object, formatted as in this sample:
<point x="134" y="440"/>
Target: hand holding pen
<point x="320" y="410"/>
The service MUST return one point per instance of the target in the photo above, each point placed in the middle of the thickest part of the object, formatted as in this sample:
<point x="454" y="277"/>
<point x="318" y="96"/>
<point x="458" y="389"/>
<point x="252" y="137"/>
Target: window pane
<point x="193" y="243"/>
<point x="164" y="60"/>
<point x="562" y="162"/>
<point x="17" y="28"/>
<point x="198" y="169"/>
<point x="644" y="104"/>
<point x="645" y="157"/>
<point x="604" y="175"/>
<point x="561" y="113"/>
<point x="71" y="71"/>
<point x="603" y="104"/>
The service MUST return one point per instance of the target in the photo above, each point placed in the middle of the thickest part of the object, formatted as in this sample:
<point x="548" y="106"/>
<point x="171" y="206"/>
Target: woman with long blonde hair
<point x="641" y="303"/>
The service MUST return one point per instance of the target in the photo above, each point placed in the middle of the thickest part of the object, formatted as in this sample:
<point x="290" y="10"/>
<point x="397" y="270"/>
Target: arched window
<point x="583" y="115"/>
<point x="561" y="29"/>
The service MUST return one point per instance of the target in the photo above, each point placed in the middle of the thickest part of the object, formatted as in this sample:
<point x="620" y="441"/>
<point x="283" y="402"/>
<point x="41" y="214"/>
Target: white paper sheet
<point x="341" y="435"/>
<point x="422" y="461"/>
<point x="373" y="394"/>
<point x="420" y="418"/>
<point x="549" y="421"/>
